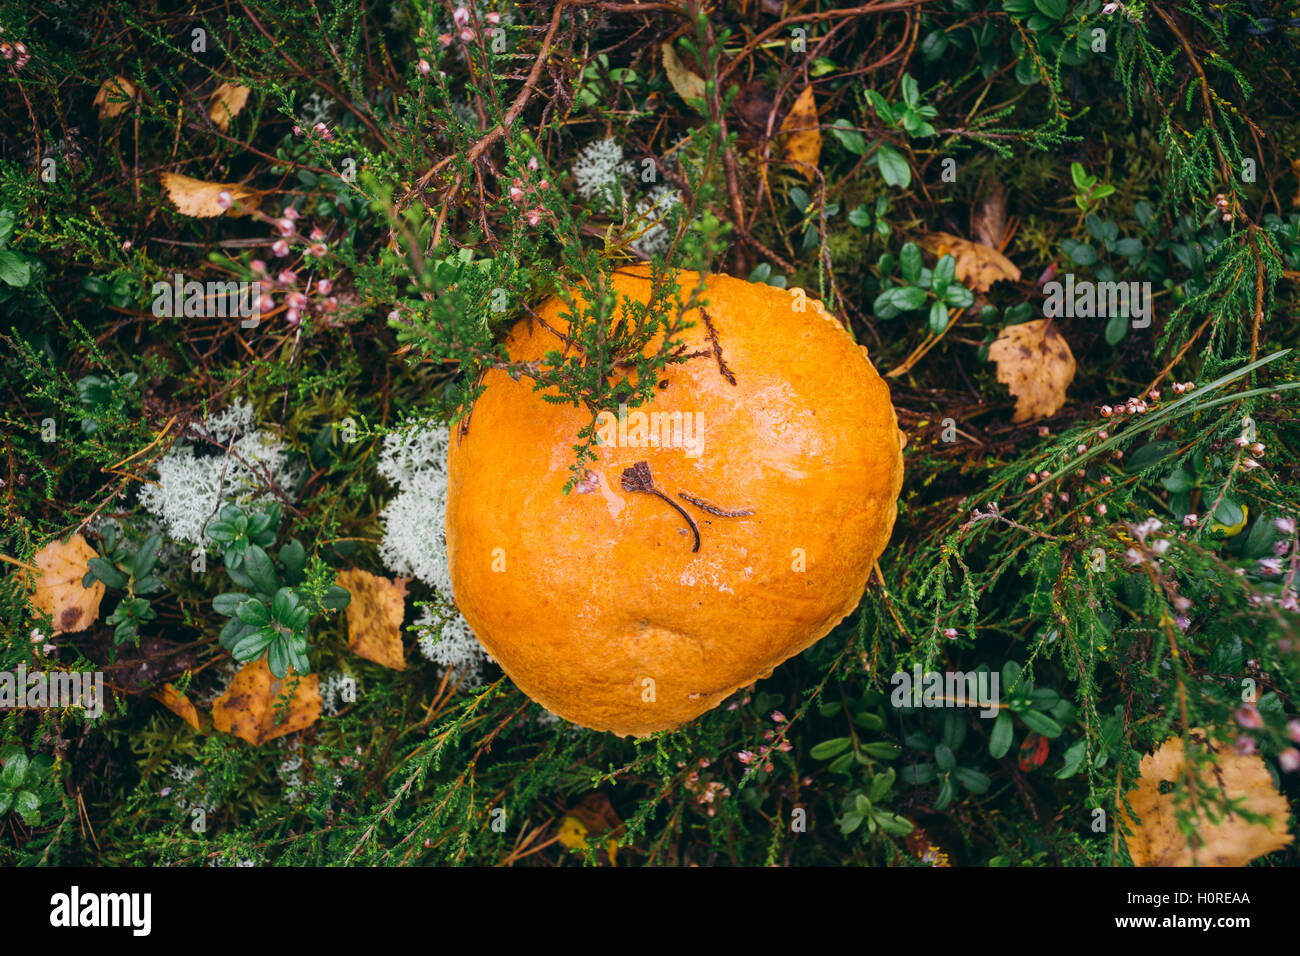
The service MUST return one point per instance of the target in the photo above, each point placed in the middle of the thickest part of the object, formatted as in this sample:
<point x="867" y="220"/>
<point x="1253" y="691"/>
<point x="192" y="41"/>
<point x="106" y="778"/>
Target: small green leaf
<point x="1040" y="723"/>
<point x="1073" y="760"/>
<point x="1000" y="737"/>
<point x="882" y="750"/>
<point x="829" y="748"/>
<point x="15" y="770"/>
<point x="253" y="612"/>
<point x="107" y="573"/>
<point x="909" y="262"/>
<point x="258" y="564"/>
<point x="849" y="137"/>
<point x="938" y="320"/>
<point x="893" y="167"/>
<point x="881" y="784"/>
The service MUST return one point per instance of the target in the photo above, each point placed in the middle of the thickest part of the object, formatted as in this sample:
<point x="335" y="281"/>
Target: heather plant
<point x="404" y="184"/>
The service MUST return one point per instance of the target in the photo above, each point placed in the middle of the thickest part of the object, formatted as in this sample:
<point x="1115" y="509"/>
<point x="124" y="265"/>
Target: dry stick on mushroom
<point x="638" y="479"/>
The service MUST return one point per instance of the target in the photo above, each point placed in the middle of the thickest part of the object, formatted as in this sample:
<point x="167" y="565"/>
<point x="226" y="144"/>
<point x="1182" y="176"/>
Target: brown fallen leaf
<point x="178" y="704"/>
<point x="988" y="220"/>
<point x="593" y="816"/>
<point x="375" y="617"/>
<point x="114" y="96"/>
<point x="1232" y="841"/>
<point x="1036" y="364"/>
<point x="251" y="707"/>
<point x="58" y="590"/>
<point x="225" y="102"/>
<point x="195" y="197"/>
<point x="688" y="84"/>
<point x="802" y="144"/>
<point x="978" y="265"/>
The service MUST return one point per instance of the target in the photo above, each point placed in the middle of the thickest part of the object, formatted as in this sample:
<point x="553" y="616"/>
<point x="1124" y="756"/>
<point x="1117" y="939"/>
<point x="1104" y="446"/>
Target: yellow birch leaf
<point x="375" y="617"/>
<point x="1156" y="839"/>
<point x="178" y="704"/>
<point x="802" y="144"/>
<point x="1035" y="363"/>
<point x="58" y="588"/>
<point x="195" y="197"/>
<point x="225" y="102"/>
<point x="688" y="84"/>
<point x="978" y="265"/>
<point x="115" y="95"/>
<point x="250" y="708"/>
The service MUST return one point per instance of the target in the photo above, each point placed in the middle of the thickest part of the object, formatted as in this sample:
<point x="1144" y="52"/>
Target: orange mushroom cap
<point x="594" y="602"/>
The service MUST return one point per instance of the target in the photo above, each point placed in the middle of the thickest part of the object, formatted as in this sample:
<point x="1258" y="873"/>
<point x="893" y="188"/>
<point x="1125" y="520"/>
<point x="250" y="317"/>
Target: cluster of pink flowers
<point x="762" y="757"/>
<point x="1221" y="203"/>
<point x="16" y="53"/>
<point x="320" y="129"/>
<point x="706" y="791"/>
<point x="527" y="194"/>
<point x="466" y="33"/>
<point x="1249" y="718"/>
<point x="286" y="281"/>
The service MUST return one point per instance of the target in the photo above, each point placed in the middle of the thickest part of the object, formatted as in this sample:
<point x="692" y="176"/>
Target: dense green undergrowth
<point x="1127" y="566"/>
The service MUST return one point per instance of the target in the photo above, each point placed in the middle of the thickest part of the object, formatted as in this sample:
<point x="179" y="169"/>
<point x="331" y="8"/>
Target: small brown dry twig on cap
<point x="638" y="479"/>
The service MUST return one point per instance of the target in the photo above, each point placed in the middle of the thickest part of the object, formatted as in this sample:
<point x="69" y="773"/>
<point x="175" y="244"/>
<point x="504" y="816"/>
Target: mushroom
<point x="779" y="452"/>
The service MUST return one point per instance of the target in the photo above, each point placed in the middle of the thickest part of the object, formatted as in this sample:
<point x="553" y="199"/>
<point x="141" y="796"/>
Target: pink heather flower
<point x="1160" y="547"/>
<point x="1154" y="394"/>
<point x="1109" y="8"/>
<point x="767" y="767"/>
<point x="1285" y="525"/>
<point x="1248" y="716"/>
<point x="331" y="304"/>
<point x="1241" y="441"/>
<point x="445" y="39"/>
<point x="778" y="717"/>
<point x="1289" y="760"/>
<point x="1107" y="411"/>
<point x="1101" y="509"/>
<point x="1081" y="449"/>
<point x="324" y="131"/>
<point x="1250" y="463"/>
<point x="317" y="249"/>
<point x="494" y="18"/>
<point x="1270" y="566"/>
<point x="768" y="735"/>
<point x="1030" y="478"/>
<point x="291" y="213"/>
<point x="285" y="227"/>
<point x="466" y="35"/>
<point x="324" y="286"/>
<point x="1189" y="520"/>
<point x="1257" y="449"/>
<point x="1133" y="556"/>
<point x="297" y="131"/>
<point x="1183" y="622"/>
<point x="265" y="303"/>
<point x="1043" y="431"/>
<point x="544" y="184"/>
<point x="292" y="316"/>
<point x="296" y="301"/>
<point x="279" y="248"/>
<point x="1103" y="434"/>
<point x="534" y="216"/>
<point x="785" y="746"/>
<point x="318" y="234"/>
<point x="287" y="277"/>
<point x="1182" y="603"/>
<point x="461" y="16"/>
<point x="1245" y="746"/>
<point x="126" y="245"/>
<point x="258" y="267"/>
<point x="224" y="199"/>
<point x="532" y="163"/>
<point x="425" y="68"/>
<point x="516" y="194"/>
<point x="1293" y="729"/>
<point x="704" y="763"/>
<point x="950" y="632"/>
<point x="745" y="757"/>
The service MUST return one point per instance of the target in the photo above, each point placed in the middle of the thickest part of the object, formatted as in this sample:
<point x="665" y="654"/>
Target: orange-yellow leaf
<point x="802" y="144"/>
<point x="978" y="265"/>
<point x="178" y="704"/>
<point x="375" y="617"/>
<point x="115" y="95"/>
<point x="688" y="84"/>
<point x="252" y="707"/>
<point x="1036" y="364"/>
<point x="1156" y="839"/>
<point x="225" y="102"/>
<point x="195" y="197"/>
<point x="58" y="588"/>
